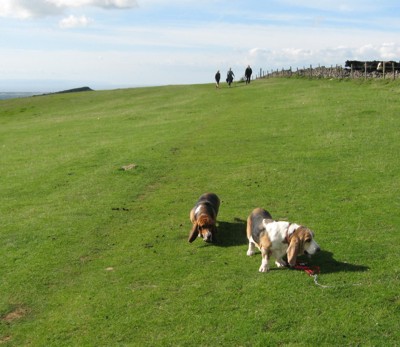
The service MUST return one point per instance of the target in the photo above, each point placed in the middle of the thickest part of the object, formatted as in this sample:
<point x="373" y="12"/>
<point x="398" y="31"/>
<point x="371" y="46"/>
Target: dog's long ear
<point x="293" y="250"/>
<point x="193" y="233"/>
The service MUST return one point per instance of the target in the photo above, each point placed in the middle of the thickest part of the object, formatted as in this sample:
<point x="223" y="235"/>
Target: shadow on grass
<point x="328" y="264"/>
<point x="231" y="233"/>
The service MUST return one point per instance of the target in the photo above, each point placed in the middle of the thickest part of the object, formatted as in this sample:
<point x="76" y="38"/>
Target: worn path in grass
<point x="96" y="255"/>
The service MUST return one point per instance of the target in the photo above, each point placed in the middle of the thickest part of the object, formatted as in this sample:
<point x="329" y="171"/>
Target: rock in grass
<point x="128" y="167"/>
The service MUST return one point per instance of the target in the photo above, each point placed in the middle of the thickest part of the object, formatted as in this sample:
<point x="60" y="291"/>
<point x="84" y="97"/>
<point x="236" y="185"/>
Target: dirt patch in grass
<point x="14" y="315"/>
<point x="5" y="339"/>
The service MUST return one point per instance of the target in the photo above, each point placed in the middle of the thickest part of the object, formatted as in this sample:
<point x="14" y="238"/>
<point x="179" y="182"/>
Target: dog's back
<point x="254" y="223"/>
<point x="211" y="201"/>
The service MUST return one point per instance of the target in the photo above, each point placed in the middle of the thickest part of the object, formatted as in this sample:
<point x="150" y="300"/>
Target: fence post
<point x="365" y="70"/>
<point x="384" y="70"/>
<point x="394" y="73"/>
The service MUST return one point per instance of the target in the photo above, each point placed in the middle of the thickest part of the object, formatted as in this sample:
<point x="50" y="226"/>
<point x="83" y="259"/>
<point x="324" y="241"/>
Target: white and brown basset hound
<point x="277" y="238"/>
<point x="204" y="217"/>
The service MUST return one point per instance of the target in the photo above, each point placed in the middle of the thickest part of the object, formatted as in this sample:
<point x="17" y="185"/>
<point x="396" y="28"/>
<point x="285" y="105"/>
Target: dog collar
<point x="287" y="237"/>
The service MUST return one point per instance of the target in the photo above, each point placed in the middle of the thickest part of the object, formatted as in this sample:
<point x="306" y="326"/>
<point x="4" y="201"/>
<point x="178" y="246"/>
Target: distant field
<point x="94" y="255"/>
<point x="12" y="95"/>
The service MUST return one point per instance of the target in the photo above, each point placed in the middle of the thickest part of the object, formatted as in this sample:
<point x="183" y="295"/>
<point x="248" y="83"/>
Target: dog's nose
<point x="207" y="237"/>
<point x="318" y="250"/>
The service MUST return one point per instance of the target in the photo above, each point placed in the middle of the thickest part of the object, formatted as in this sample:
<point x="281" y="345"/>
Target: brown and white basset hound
<point x="277" y="238"/>
<point x="204" y="217"/>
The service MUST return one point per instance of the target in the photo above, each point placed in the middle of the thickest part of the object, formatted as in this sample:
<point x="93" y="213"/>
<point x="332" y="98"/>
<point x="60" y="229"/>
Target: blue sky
<point x="50" y="45"/>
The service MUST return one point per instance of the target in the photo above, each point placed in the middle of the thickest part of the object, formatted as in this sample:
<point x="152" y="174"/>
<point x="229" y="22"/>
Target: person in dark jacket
<point x="217" y="78"/>
<point x="248" y="73"/>
<point x="229" y="77"/>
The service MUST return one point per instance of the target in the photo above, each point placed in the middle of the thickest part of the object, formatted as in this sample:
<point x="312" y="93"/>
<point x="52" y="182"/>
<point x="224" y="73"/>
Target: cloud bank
<point x="25" y="9"/>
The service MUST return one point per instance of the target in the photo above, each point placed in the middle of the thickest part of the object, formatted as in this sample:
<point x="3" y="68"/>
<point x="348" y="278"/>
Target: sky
<point x="52" y="45"/>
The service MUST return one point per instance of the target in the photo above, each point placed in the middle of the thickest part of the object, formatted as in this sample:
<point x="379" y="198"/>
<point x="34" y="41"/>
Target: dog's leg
<point x="279" y="261"/>
<point x="264" y="262"/>
<point x="265" y="248"/>
<point x="252" y="248"/>
<point x="249" y="226"/>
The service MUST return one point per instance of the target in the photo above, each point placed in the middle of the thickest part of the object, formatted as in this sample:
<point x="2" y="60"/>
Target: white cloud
<point x="74" y="22"/>
<point x="96" y="3"/>
<point x="24" y="9"/>
<point x="389" y="51"/>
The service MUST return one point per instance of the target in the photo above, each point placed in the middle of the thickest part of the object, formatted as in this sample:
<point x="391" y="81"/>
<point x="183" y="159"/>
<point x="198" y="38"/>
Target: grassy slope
<point x="93" y="255"/>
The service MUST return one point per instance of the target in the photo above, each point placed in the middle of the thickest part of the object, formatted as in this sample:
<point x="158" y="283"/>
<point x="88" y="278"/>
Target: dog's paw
<point x="281" y="263"/>
<point x="263" y="268"/>
<point x="250" y="253"/>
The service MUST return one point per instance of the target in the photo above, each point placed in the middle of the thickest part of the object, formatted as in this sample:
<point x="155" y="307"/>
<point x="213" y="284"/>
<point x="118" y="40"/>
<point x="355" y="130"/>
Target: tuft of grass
<point x="96" y="255"/>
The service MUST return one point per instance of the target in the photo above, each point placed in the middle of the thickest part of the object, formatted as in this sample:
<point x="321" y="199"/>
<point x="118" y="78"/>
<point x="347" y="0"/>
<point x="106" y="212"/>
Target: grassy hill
<point x="94" y="255"/>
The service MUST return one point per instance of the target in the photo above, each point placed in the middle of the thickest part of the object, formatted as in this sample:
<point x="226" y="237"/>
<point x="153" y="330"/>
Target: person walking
<point x="248" y="73"/>
<point x="217" y="78"/>
<point x="229" y="77"/>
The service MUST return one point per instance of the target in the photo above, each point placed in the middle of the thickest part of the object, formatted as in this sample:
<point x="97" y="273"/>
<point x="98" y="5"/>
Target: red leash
<point x="311" y="271"/>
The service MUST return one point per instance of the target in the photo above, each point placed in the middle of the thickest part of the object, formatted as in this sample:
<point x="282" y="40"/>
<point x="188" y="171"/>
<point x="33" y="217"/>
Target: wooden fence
<point x="331" y="72"/>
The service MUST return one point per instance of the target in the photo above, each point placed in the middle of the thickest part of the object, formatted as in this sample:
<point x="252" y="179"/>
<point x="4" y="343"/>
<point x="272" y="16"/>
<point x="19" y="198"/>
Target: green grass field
<point x="93" y="255"/>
